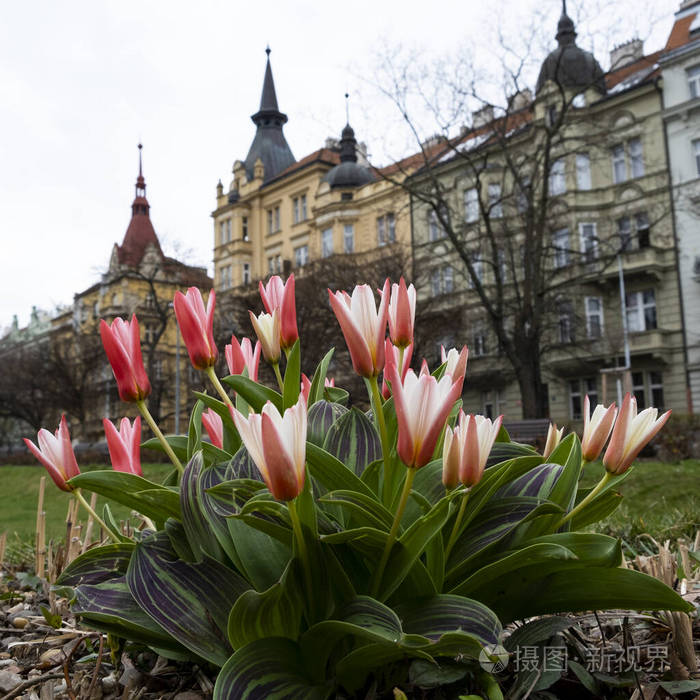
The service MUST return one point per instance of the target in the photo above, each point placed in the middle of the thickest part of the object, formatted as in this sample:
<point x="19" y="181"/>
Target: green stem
<point x="301" y="544"/>
<point x="280" y="381"/>
<point x="218" y="386"/>
<point x="379" y="572"/>
<point x="96" y="517"/>
<point x="458" y="522"/>
<point x="376" y="400"/>
<point x="156" y="431"/>
<point x="402" y="350"/>
<point x="593" y="494"/>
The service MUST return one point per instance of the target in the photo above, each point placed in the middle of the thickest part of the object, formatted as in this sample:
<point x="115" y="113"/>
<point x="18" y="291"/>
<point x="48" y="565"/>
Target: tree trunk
<point x="532" y="390"/>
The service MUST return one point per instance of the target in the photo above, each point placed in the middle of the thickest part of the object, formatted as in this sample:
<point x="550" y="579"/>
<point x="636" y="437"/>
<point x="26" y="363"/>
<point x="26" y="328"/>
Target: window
<point x="274" y="264"/>
<point x="386" y="229"/>
<point x="583" y="171"/>
<point x="277" y="218"/>
<point x="226" y="231"/>
<point x="557" y="177"/>
<point x="471" y="205"/>
<point x="492" y="403"/>
<point x="478" y="265"/>
<point x="246" y="273"/>
<point x="560" y="243"/>
<point x="643" y="233"/>
<point x="636" y="158"/>
<point x="551" y="115"/>
<point x="694" y="81"/>
<point x="594" y="316"/>
<point x="273" y="220"/>
<point x="624" y="154"/>
<point x="565" y="323"/>
<point x="244" y="228"/>
<point x="349" y="238"/>
<point x="524" y="194"/>
<point x="303" y="207"/>
<point x="502" y="265"/>
<point x="226" y="277"/>
<point x="299" y="209"/>
<point x="579" y="101"/>
<point x="589" y="242"/>
<point x="301" y="255"/>
<point x="495" y="206"/>
<point x="436" y="282"/>
<point x="577" y="389"/>
<point x="641" y="310"/>
<point x="630" y="240"/>
<point x="435" y="228"/>
<point x="624" y="231"/>
<point x="478" y="346"/>
<point x="447" y="279"/>
<point x="327" y="242"/>
<point x="269" y="221"/>
<point x="656" y="389"/>
<point x="150" y="334"/>
<point x="441" y="280"/>
<point x="696" y="151"/>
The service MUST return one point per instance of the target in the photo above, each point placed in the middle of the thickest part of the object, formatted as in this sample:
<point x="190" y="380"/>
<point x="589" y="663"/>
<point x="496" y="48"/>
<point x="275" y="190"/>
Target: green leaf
<point x="368" y="541"/>
<point x="602" y="506"/>
<point x="336" y="395"/>
<point x="539" y="630"/>
<point x="365" y="510"/>
<point x="52" y="619"/>
<point x="430" y="675"/>
<point x="152" y="500"/>
<point x="232" y="440"/>
<point x="354" y="440"/>
<point x="503" y="451"/>
<point x="97" y="565"/>
<point x="256" y="395"/>
<point x="212" y="455"/>
<point x="321" y="416"/>
<point x="194" y="433"/>
<point x="272" y="668"/>
<point x="275" y="612"/>
<point x="318" y="382"/>
<point x="332" y="473"/>
<point x="292" y="376"/>
<point x="191" y="601"/>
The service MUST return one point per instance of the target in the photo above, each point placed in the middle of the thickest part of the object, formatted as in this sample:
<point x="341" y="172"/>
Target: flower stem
<point x="218" y="386"/>
<point x="458" y="522"/>
<point x="156" y="431"/>
<point x="280" y="381"/>
<point x="88" y="508"/>
<point x="596" y="490"/>
<point x="376" y="400"/>
<point x="402" y="350"/>
<point x="301" y="544"/>
<point x="379" y="572"/>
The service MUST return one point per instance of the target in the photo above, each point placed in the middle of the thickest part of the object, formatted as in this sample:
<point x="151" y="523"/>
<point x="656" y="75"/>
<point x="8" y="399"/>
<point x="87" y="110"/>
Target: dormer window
<point x="694" y="81"/>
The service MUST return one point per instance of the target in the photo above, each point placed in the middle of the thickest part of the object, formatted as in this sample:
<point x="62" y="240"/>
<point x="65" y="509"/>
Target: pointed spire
<point x="566" y="32"/>
<point x="140" y="181"/>
<point x="268" y="98"/>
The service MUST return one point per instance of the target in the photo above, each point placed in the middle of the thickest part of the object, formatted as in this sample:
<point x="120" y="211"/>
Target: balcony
<point x="645" y="262"/>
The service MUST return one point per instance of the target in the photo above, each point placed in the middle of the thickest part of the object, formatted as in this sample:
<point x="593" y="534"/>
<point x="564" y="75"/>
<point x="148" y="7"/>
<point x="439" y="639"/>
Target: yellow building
<point x="281" y="215"/>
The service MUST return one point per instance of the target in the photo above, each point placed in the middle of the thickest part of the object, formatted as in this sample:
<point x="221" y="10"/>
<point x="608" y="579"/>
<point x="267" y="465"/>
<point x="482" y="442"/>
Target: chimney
<point x="626" y="53"/>
<point x="520" y="100"/>
<point x="433" y="140"/>
<point x="482" y="116"/>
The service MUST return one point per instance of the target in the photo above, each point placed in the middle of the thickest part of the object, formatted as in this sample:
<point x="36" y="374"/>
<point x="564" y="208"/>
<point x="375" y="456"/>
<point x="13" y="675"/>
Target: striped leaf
<point x="318" y="382"/>
<point x="110" y="607"/>
<point x="242" y="466"/>
<point x="292" y="377"/>
<point x="191" y="601"/>
<point x="152" y="500"/>
<point x="364" y="510"/>
<point x="255" y="395"/>
<point x="332" y="473"/>
<point x="354" y="441"/>
<point x="321" y="416"/>
<point x="194" y="430"/>
<point x="178" y="443"/>
<point x="537" y="483"/>
<point x="97" y="565"/>
<point x="502" y="451"/>
<point x="268" y="669"/>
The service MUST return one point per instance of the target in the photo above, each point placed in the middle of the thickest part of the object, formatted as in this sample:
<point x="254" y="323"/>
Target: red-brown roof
<point x="680" y="33"/>
<point x="139" y="235"/>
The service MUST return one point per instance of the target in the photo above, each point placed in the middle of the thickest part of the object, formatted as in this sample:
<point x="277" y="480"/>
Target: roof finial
<point x="347" y="108"/>
<point x="140" y="181"/>
<point x="268" y="49"/>
<point x="563" y="7"/>
<point x="140" y="168"/>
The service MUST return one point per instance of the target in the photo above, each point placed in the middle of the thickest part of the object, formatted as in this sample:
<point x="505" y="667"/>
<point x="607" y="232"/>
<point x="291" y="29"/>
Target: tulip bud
<point x="596" y="428"/>
<point x="197" y="326"/>
<point x="124" y="445"/>
<point x="122" y="344"/>
<point x="553" y="439"/>
<point x="267" y="328"/>
<point x="55" y="452"/>
<point x="402" y="314"/>
<point x="279" y="296"/>
<point x="214" y="426"/>
<point x="456" y="364"/>
<point x="240" y="356"/>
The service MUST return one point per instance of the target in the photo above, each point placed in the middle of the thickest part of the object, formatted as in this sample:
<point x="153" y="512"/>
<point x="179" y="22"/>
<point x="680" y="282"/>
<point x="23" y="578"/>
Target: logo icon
<point x="493" y="659"/>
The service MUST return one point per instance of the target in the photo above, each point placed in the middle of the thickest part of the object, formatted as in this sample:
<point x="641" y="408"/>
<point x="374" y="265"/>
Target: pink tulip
<point x="363" y="326"/>
<point x="214" y="426"/>
<point x="467" y="449"/>
<point x="240" y="356"/>
<point x="305" y="386"/>
<point x="596" y="428"/>
<point x="391" y="356"/>
<point x="402" y="314"/>
<point x="197" y="326"/>
<point x="122" y="344"/>
<point x="277" y="445"/>
<point x="422" y="406"/>
<point x="630" y="434"/>
<point x="280" y="296"/>
<point x="124" y="445"/>
<point x="424" y="369"/>
<point x="55" y="452"/>
<point x="456" y="363"/>
<point x="267" y="328"/>
<point x="553" y="439"/>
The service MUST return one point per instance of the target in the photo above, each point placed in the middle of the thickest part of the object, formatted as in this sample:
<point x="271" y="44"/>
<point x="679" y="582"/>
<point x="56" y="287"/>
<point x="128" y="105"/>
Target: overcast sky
<point x="84" y="80"/>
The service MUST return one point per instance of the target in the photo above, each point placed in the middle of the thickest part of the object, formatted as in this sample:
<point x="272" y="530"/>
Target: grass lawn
<point x="20" y="489"/>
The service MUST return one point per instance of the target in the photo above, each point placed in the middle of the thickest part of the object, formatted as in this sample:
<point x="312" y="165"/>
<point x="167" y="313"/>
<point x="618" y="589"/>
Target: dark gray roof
<point x="570" y="66"/>
<point x="348" y="173"/>
<point x="269" y="143"/>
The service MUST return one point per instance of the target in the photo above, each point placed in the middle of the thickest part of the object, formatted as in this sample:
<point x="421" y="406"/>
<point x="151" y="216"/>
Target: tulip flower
<point x="240" y="356"/>
<point x="402" y="314"/>
<point x="363" y="326"/>
<point x="305" y="386"/>
<point x="197" y="326"/>
<point x="424" y="369"/>
<point x="596" y="428"/>
<point x="456" y="363"/>
<point x="55" y="452"/>
<point x="267" y="328"/>
<point x="214" y="426"/>
<point x="124" y="445"/>
<point x="630" y="434"/>
<point x="277" y="445"/>
<point x="391" y="356"/>
<point x="422" y="406"/>
<point x="122" y="344"/>
<point x="280" y="296"/>
<point x="553" y="439"/>
<point x="467" y="449"/>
